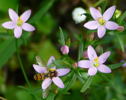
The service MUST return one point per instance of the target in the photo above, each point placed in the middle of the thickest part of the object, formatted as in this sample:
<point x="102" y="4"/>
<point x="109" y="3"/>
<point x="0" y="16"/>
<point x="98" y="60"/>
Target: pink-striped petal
<point x="9" y="25"/>
<point x="111" y="25"/>
<point x="95" y="13"/>
<point x="51" y="60"/>
<point x="84" y="64"/>
<point x="104" y="69"/>
<point x="58" y="82"/>
<point x="39" y="69"/>
<point x="101" y="31"/>
<point x="46" y="83"/>
<point x="91" y="25"/>
<point x="91" y="53"/>
<point x="109" y="13"/>
<point x="13" y="15"/>
<point x="92" y="71"/>
<point x="25" y="16"/>
<point x="104" y="57"/>
<point x="62" y="71"/>
<point x="18" y="32"/>
<point x="28" y="27"/>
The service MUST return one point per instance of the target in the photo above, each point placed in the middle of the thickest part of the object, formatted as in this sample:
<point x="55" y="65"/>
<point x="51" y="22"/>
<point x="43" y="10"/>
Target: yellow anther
<point x="101" y="21"/>
<point x="96" y="62"/>
<point x="19" y="22"/>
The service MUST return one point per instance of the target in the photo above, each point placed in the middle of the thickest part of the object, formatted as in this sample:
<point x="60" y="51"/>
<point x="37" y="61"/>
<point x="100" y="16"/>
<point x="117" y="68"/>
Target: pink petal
<point x="63" y="71"/>
<point x="25" y="16"/>
<point x="13" y="15"/>
<point x="39" y="69"/>
<point x="109" y="13"/>
<point x="91" y="53"/>
<point x="92" y="71"/>
<point x="84" y="64"/>
<point x="104" y="57"/>
<point x="91" y="25"/>
<point x="104" y="69"/>
<point x="18" y="32"/>
<point x="9" y="25"/>
<point x="101" y="31"/>
<point x="46" y="83"/>
<point x="58" y="82"/>
<point x="111" y="25"/>
<point x="51" y="60"/>
<point x="95" y="13"/>
<point x="28" y="27"/>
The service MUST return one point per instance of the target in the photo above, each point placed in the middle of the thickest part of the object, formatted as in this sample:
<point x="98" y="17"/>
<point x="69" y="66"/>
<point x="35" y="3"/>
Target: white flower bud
<point x="78" y="15"/>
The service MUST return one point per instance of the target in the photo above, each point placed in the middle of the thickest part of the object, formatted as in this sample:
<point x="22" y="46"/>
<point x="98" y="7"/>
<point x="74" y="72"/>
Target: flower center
<point x="19" y="22"/>
<point x="96" y="62"/>
<point x="101" y="21"/>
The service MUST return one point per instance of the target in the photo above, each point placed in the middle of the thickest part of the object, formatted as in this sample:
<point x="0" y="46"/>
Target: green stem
<point x="21" y="65"/>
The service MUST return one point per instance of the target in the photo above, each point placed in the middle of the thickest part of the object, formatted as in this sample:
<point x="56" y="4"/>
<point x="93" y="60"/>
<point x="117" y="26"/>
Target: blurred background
<point x="47" y="16"/>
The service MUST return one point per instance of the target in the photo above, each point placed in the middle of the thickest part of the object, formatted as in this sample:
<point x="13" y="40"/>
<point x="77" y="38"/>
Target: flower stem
<point x="21" y="64"/>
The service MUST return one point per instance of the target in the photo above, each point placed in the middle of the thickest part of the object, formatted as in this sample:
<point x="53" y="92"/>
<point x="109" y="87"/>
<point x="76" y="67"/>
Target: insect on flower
<point x="49" y="75"/>
<point x="18" y="23"/>
<point x="95" y="63"/>
<point x="101" y="22"/>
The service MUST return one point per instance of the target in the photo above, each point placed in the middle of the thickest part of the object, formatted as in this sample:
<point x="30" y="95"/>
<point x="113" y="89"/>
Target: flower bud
<point x="75" y="65"/>
<point x="65" y="49"/>
<point x="120" y="28"/>
<point x="118" y="13"/>
<point x="85" y="55"/>
<point x="78" y="15"/>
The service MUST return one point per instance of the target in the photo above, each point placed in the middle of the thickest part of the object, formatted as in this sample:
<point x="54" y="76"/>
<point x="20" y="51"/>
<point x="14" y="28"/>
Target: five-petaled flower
<point x="95" y="63"/>
<point x="54" y="74"/>
<point x="18" y="23"/>
<point x="101" y="22"/>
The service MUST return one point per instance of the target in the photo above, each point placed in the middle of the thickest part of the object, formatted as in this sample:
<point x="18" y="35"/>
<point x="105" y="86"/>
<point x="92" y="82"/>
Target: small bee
<point x="50" y="74"/>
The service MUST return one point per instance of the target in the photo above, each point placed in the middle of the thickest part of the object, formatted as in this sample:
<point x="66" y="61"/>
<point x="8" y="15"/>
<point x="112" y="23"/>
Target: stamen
<point x="19" y="22"/>
<point x="96" y="62"/>
<point x="101" y="21"/>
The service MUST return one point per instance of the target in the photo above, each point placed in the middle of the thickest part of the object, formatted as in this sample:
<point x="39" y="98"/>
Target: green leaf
<point x="120" y="40"/>
<point x="70" y="83"/>
<point x="122" y="17"/>
<point x="87" y="84"/>
<point x="7" y="49"/>
<point x="51" y="96"/>
<point x="45" y="6"/>
<point x="80" y="52"/>
<point x="115" y="66"/>
<point x="62" y="39"/>
<point x="6" y="4"/>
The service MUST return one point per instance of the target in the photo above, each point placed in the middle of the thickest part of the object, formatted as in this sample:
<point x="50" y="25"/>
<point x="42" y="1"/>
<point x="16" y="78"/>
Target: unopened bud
<point x="65" y="49"/>
<point x="120" y="28"/>
<point x="118" y="13"/>
<point x="78" y="15"/>
<point x="85" y="55"/>
<point x="75" y="65"/>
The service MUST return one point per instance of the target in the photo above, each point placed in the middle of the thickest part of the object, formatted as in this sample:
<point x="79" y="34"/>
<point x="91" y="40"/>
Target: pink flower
<point x="52" y="78"/>
<point x="101" y="22"/>
<point x="95" y="63"/>
<point x="18" y="23"/>
<point x="65" y="49"/>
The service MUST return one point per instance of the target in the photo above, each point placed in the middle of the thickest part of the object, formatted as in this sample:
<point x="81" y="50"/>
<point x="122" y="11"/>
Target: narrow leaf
<point x="87" y="84"/>
<point x="62" y="39"/>
<point x="115" y="66"/>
